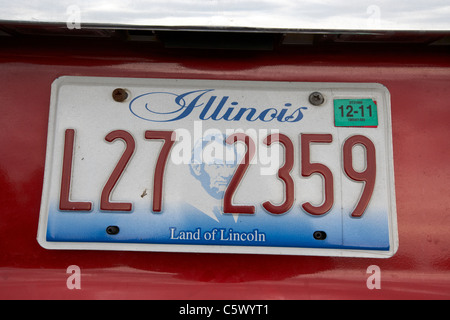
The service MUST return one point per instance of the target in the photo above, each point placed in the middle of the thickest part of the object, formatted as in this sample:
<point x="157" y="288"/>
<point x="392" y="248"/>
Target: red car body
<point x="418" y="78"/>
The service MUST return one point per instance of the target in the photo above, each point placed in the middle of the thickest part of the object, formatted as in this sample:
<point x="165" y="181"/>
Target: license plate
<point x="219" y="166"/>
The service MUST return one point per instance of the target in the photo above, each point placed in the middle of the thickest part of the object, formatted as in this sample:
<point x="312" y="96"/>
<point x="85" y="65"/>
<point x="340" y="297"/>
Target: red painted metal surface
<point x="418" y="79"/>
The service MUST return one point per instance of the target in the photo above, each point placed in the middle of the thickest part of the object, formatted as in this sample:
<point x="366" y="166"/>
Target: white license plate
<point x="219" y="166"/>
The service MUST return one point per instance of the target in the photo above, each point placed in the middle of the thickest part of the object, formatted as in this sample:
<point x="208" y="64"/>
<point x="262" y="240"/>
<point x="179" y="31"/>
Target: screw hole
<point x="112" y="230"/>
<point x="320" y="235"/>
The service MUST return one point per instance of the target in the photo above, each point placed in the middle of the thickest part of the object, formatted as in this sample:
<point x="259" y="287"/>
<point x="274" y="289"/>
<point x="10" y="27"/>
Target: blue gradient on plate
<point x="293" y="229"/>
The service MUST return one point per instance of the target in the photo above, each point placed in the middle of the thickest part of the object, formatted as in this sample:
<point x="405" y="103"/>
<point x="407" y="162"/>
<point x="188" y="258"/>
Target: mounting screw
<point x="316" y="98"/>
<point x="119" y="95"/>
<point x="112" y="230"/>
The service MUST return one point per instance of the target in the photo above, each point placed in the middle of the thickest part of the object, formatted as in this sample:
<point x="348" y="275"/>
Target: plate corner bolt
<point x="316" y="98"/>
<point x="119" y="95"/>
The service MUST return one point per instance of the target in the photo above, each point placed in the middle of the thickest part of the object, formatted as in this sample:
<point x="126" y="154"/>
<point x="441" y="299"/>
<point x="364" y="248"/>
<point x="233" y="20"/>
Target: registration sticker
<point x="355" y="113"/>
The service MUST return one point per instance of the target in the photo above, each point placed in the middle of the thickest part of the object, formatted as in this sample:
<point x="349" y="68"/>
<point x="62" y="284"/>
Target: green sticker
<point x="355" y="113"/>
